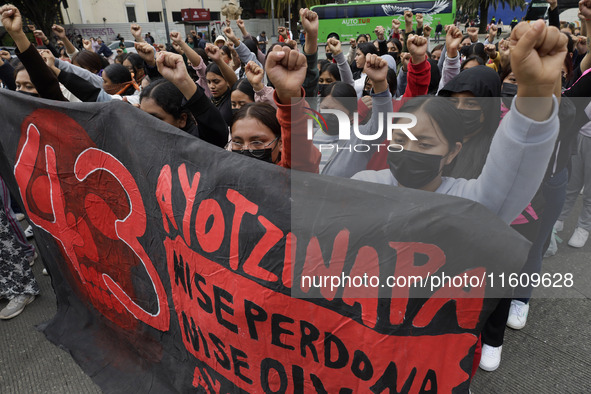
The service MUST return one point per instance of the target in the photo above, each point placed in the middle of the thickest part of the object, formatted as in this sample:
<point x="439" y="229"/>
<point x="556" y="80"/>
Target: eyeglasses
<point x="255" y="147"/>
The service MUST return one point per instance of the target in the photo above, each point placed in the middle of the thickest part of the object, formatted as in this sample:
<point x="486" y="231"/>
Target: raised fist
<point x="254" y="74"/>
<point x="408" y="17"/>
<point x="11" y="18"/>
<point x="537" y="55"/>
<point x="286" y="69"/>
<point x="213" y="52"/>
<point x="136" y="31"/>
<point x="146" y="51"/>
<point x="334" y="46"/>
<point x="427" y="31"/>
<point x="395" y="25"/>
<point x="172" y="67"/>
<point x="309" y="20"/>
<point x="59" y="31"/>
<point x="376" y="68"/>
<point x="87" y="45"/>
<point x="175" y="36"/>
<point x="419" y="18"/>
<point x="473" y="33"/>
<point x="417" y="46"/>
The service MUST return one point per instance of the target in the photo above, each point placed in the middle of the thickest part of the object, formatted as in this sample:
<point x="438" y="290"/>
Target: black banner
<point x="179" y="266"/>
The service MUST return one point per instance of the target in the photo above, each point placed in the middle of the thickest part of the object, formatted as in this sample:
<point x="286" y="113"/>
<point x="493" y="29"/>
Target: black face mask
<point x="29" y="93"/>
<point x="332" y="122"/>
<point x="234" y="110"/>
<point x="508" y="91"/>
<point x="322" y="89"/>
<point x="395" y="55"/>
<point x="260" y="154"/>
<point x="414" y="169"/>
<point x="329" y="56"/>
<point x="471" y="118"/>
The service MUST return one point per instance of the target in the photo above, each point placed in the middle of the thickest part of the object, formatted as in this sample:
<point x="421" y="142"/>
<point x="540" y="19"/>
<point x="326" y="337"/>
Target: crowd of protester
<point x="477" y="137"/>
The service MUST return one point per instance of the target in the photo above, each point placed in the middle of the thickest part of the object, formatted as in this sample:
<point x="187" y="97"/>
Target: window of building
<point x="177" y="16"/>
<point x="131" y="13"/>
<point x="154" y="16"/>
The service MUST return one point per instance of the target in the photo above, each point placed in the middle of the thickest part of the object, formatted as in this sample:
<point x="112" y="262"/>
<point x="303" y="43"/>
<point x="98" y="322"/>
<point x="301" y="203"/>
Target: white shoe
<point x="16" y="306"/>
<point x="19" y="216"/>
<point x="579" y="238"/>
<point x="29" y="232"/>
<point x="490" y="358"/>
<point x="517" y="315"/>
<point x="559" y="226"/>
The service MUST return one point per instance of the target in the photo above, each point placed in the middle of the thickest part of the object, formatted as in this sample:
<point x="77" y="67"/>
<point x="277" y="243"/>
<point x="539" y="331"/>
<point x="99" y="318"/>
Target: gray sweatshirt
<point x="514" y="168"/>
<point x="343" y="162"/>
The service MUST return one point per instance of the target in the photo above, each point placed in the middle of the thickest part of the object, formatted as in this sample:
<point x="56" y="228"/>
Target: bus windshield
<point x="537" y="10"/>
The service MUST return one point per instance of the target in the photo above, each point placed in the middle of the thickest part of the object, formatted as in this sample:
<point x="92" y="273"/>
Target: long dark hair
<point x="118" y="73"/>
<point x="343" y="93"/>
<point x="244" y="86"/>
<point x="88" y="60"/>
<point x="443" y="114"/>
<point x="168" y="97"/>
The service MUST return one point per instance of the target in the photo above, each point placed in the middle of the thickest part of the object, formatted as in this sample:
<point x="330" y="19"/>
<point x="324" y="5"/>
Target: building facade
<point x="128" y="11"/>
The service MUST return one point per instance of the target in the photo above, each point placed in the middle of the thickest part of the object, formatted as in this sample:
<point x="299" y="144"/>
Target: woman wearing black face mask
<point x="256" y="133"/>
<point x="476" y="93"/>
<point x="266" y="133"/>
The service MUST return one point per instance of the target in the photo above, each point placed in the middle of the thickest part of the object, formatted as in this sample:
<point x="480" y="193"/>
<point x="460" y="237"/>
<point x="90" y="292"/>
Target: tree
<point x="483" y="6"/>
<point x="290" y="10"/>
<point x="42" y="13"/>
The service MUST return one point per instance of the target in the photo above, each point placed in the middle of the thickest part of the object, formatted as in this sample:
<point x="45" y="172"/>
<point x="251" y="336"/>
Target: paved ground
<point x="550" y="355"/>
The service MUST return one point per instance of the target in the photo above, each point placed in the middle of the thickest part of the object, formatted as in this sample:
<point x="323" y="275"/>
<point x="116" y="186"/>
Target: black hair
<point x="443" y="114"/>
<point x="323" y="63"/>
<point x="392" y="81"/>
<point x="360" y="36"/>
<point x="435" y="77"/>
<point x="397" y="43"/>
<point x="244" y="86"/>
<point x="263" y="112"/>
<point x="104" y="62"/>
<point x="121" y="58"/>
<point x="477" y="58"/>
<point x="88" y="60"/>
<point x="251" y="44"/>
<point x="136" y="61"/>
<point x="367" y="47"/>
<point x="343" y="93"/>
<point x="227" y="51"/>
<point x="332" y="69"/>
<point x="213" y="68"/>
<point x="168" y="97"/>
<point x="201" y="52"/>
<point x="118" y="73"/>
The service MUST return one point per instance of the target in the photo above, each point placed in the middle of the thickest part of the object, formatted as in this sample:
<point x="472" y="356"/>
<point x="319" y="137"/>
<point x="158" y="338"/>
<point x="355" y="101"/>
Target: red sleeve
<point x="418" y="79"/>
<point x="294" y="134"/>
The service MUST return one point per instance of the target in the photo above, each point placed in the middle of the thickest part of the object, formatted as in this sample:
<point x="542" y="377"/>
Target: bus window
<point x="538" y="9"/>
<point x="330" y="13"/>
<point x="364" y="11"/>
<point x="341" y="12"/>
